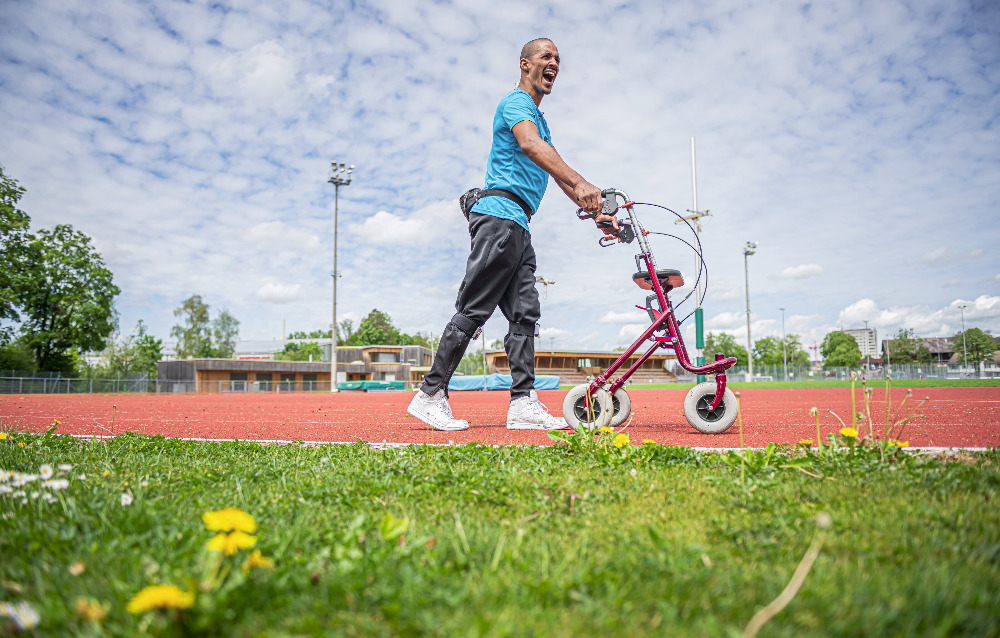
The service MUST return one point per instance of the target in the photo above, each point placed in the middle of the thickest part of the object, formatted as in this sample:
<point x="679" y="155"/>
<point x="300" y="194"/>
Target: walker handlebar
<point x="610" y="207"/>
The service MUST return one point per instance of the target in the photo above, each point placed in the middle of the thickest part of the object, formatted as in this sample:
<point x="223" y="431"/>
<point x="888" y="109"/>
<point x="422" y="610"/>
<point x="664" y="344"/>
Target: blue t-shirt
<point x="509" y="168"/>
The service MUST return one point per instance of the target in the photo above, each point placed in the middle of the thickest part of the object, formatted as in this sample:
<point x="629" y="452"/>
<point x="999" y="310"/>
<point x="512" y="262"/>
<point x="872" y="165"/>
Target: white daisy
<point x="22" y="613"/>
<point x="65" y="467"/>
<point x="4" y="475"/>
<point x="45" y="470"/>
<point x="6" y="489"/>
<point x="56" y="484"/>
<point x="126" y="499"/>
<point x="82" y="477"/>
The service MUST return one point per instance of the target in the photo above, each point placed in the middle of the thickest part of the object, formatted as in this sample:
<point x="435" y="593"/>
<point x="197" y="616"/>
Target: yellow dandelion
<point x="849" y="432"/>
<point x="806" y="442"/>
<point x="3" y="436"/>
<point x="648" y="442"/>
<point x="256" y="560"/>
<point x="160" y="597"/>
<point x="896" y="443"/>
<point x="605" y="429"/>
<point x="621" y="439"/>
<point x="91" y="609"/>
<point x="230" y="543"/>
<point x="228" y="520"/>
<point x="20" y="444"/>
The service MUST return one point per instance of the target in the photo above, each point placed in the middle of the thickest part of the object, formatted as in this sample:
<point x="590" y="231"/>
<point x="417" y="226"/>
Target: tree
<point x="225" y="330"/>
<point x="199" y="336"/>
<point x="979" y="346"/>
<point x="13" y="243"/>
<point x="300" y="352"/>
<point x="375" y="329"/>
<point x="135" y="354"/>
<point x="767" y="351"/>
<point x="840" y="349"/>
<point x="906" y="347"/>
<point x="194" y="334"/>
<point x="726" y="344"/>
<point x="65" y="296"/>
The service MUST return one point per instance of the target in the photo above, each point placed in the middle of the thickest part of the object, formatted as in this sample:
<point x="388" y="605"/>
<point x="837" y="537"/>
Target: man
<point x="501" y="266"/>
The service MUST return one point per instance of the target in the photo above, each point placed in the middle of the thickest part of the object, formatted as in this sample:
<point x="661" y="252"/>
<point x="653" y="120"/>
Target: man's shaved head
<point x="530" y="48"/>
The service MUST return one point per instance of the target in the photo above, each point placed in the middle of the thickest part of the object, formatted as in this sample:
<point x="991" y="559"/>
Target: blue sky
<point x="857" y="142"/>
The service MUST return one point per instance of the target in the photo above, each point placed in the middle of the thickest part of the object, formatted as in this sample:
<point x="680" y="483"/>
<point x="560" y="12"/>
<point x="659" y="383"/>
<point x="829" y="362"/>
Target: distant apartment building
<point x="867" y="340"/>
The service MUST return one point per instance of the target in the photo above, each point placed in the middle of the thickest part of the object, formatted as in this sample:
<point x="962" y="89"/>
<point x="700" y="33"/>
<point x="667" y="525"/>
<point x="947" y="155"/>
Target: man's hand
<point x="587" y="196"/>
<point x="610" y="232"/>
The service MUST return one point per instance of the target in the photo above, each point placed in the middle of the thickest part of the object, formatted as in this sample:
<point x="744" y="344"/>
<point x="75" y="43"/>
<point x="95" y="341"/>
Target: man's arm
<point x="586" y="195"/>
<point x="583" y="193"/>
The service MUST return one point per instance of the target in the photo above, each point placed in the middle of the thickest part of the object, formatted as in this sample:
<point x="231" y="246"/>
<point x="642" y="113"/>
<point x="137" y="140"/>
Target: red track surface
<point x="954" y="417"/>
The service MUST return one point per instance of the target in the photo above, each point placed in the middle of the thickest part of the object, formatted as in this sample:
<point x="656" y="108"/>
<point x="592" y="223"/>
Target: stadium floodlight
<point x="341" y="176"/>
<point x="965" y="356"/>
<point x="749" y="249"/>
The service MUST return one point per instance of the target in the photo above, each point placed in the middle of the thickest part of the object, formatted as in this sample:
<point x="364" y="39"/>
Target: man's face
<point x="543" y="67"/>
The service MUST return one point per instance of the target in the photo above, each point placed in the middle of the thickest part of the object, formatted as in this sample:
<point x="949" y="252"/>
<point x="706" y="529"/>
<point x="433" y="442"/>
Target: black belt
<point x="499" y="192"/>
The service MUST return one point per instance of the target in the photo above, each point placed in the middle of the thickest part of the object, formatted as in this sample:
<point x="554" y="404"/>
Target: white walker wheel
<point x="578" y="414"/>
<point x="622" y="406"/>
<point x="697" y="404"/>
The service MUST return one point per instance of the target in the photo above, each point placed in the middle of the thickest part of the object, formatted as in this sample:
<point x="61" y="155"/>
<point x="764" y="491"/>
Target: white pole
<point x="694" y="197"/>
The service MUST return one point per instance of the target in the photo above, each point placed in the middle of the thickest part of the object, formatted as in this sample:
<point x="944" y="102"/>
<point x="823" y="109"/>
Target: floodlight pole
<point x="341" y="176"/>
<point x="784" y="358"/>
<point x="965" y="356"/>
<point x="749" y="249"/>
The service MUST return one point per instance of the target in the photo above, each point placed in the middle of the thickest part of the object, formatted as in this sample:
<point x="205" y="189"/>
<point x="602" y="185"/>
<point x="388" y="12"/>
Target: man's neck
<point x="527" y="88"/>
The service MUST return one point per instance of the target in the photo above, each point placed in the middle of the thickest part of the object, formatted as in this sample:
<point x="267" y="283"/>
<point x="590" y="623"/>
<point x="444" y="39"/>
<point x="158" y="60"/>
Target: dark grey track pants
<point x="500" y="272"/>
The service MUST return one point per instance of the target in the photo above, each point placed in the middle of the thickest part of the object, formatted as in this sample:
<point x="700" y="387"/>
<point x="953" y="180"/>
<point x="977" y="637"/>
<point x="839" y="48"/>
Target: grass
<point x="569" y="540"/>
<point x="824" y="383"/>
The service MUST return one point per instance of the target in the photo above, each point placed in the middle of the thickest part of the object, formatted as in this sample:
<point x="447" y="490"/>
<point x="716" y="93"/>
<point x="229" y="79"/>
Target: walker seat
<point x="669" y="279"/>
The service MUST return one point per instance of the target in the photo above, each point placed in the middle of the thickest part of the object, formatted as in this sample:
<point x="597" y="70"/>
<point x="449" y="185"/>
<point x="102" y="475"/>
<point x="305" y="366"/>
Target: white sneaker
<point x="528" y="413"/>
<point x="435" y="411"/>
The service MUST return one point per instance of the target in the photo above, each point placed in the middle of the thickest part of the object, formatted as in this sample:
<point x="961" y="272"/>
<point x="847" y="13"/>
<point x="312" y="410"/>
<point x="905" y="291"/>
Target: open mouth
<point x="549" y="75"/>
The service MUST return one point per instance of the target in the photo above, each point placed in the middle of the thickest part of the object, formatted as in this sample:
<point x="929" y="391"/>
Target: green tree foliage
<point x="199" y="336"/>
<point x="768" y="351"/>
<point x="13" y="243"/>
<point x="300" y="352"/>
<point x="726" y="344"/>
<point x="56" y="295"/>
<point x="66" y="298"/>
<point x="840" y="349"/>
<point x="137" y="353"/>
<point x="979" y="346"/>
<point x="13" y="356"/>
<point x="906" y="347"/>
<point x="377" y="329"/>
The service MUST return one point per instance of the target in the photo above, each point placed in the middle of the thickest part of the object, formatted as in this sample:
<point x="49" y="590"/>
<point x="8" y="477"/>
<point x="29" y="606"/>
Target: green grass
<point x="505" y="541"/>
<point x="876" y="383"/>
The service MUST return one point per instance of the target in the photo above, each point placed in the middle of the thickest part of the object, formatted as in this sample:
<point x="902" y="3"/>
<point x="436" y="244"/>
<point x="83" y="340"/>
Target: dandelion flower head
<point x="849" y="432"/>
<point x="230" y="543"/>
<point x="806" y="442"/>
<point x="648" y="442"/>
<point x="256" y="560"/>
<point x="160" y="597"/>
<point x="606" y="430"/>
<point x="621" y="439"/>
<point x="228" y="520"/>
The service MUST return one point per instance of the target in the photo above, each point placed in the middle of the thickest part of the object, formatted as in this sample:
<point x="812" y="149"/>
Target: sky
<point x="857" y="142"/>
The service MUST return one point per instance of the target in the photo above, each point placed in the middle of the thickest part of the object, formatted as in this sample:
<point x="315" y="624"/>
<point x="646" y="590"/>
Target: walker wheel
<point x="697" y="412"/>
<point x="587" y="412"/>
<point x="622" y="406"/>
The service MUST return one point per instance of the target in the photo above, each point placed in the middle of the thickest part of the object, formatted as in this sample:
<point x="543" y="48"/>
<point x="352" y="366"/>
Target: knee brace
<point x="466" y="325"/>
<point x="523" y="329"/>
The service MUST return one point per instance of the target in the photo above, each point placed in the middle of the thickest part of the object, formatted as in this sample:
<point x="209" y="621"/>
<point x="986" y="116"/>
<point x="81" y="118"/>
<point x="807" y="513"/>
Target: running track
<point x="953" y="417"/>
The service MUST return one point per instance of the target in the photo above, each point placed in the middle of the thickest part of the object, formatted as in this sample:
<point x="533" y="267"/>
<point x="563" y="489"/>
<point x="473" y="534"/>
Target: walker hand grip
<point x="608" y="207"/>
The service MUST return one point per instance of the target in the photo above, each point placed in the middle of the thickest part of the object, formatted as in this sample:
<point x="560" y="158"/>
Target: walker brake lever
<point x="625" y="234"/>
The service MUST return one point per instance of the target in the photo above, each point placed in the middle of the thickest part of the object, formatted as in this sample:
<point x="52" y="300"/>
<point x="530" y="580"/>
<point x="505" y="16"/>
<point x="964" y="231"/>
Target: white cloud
<point x="279" y="293"/>
<point x="803" y="271"/>
<point x="937" y="256"/>
<point x="624" y="317"/>
<point x="198" y="139"/>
